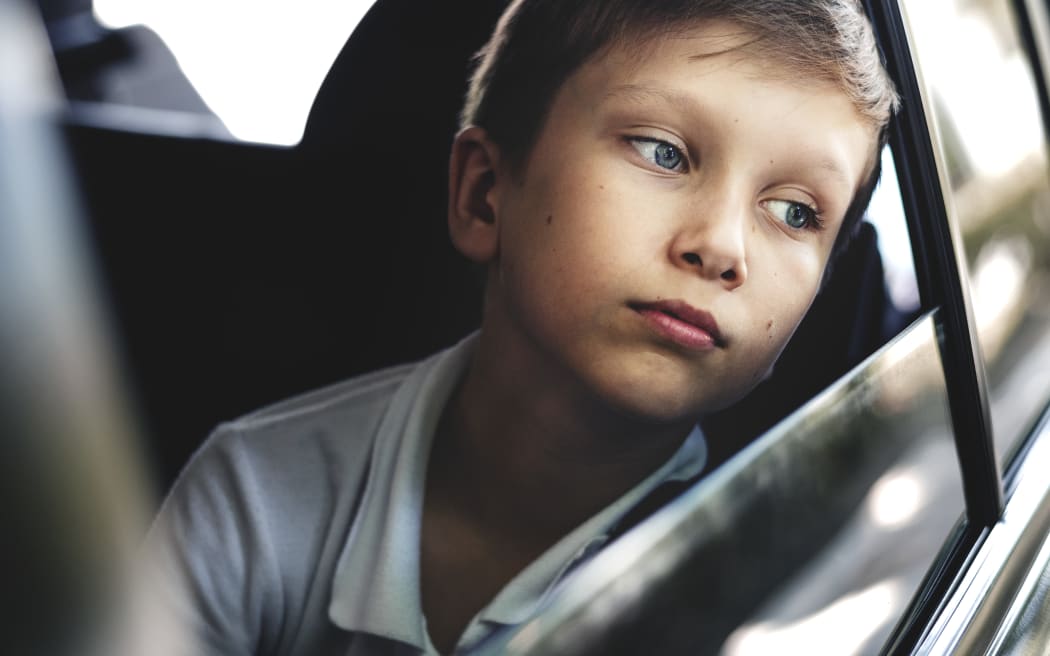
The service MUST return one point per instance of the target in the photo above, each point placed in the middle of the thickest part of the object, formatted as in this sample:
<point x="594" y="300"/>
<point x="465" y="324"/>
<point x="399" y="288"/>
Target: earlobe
<point x="472" y="210"/>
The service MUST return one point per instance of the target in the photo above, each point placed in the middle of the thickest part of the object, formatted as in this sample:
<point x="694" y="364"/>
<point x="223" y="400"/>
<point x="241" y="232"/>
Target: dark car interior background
<point x="857" y="486"/>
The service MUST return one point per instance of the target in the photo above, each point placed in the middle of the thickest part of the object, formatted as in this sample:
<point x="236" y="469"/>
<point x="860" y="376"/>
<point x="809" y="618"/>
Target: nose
<point x="711" y="243"/>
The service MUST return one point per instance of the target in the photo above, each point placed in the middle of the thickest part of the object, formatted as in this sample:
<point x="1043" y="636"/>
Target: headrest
<point x="402" y="74"/>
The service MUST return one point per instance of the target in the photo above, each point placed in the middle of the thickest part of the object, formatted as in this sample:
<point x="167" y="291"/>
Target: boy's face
<point x="673" y="220"/>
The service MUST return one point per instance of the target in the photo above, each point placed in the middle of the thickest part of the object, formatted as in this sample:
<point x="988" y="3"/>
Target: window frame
<point x="941" y="275"/>
<point x="967" y="599"/>
<point x="941" y="269"/>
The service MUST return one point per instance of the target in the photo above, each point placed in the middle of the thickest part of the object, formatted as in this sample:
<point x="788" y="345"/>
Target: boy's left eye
<point x="795" y="215"/>
<point x="663" y="154"/>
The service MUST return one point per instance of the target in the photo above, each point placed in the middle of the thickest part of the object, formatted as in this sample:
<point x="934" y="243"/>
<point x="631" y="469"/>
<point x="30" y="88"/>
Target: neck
<point x="530" y="453"/>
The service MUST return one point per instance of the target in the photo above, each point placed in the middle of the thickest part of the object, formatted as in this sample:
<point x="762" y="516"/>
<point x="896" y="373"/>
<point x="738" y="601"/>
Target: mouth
<point x="682" y="323"/>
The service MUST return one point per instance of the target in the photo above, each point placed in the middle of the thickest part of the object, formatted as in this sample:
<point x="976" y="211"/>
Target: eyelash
<point x="642" y="144"/>
<point x="813" y="220"/>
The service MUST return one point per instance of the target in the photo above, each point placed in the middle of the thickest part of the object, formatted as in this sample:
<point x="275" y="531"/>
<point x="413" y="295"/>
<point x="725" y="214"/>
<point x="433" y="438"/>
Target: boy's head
<point x="657" y="185"/>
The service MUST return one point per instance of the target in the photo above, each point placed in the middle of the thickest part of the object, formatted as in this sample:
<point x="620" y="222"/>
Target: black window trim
<point x="941" y="268"/>
<point x="942" y="279"/>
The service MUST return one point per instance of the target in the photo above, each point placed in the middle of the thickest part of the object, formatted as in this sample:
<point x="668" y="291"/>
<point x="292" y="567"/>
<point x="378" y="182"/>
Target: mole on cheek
<point x="550" y="217"/>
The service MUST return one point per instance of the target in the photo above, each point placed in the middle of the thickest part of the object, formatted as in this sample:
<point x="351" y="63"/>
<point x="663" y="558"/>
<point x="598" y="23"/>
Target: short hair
<point x="538" y="44"/>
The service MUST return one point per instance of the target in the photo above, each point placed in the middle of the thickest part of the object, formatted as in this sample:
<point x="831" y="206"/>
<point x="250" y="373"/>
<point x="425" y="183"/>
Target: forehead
<point x="720" y="44"/>
<point x="718" y="67"/>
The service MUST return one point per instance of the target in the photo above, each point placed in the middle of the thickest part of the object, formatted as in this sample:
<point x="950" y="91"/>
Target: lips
<point x="682" y="323"/>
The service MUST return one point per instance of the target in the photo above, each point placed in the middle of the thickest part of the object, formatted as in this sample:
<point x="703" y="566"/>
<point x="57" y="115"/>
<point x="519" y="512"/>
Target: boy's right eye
<point x="661" y="153"/>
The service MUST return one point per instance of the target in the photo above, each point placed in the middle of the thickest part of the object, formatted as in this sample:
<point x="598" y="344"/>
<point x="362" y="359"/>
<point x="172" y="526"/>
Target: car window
<point x="986" y="109"/>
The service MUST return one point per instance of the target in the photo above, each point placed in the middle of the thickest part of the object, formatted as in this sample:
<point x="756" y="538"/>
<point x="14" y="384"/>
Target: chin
<point x="659" y="395"/>
<point x="653" y="405"/>
<point x="672" y="404"/>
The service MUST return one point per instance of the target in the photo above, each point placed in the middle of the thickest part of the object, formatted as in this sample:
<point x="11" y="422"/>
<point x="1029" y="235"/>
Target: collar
<point x="376" y="584"/>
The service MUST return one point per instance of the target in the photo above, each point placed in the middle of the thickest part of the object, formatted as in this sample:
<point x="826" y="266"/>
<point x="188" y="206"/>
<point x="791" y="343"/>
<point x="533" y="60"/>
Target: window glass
<point x="981" y="90"/>
<point x="886" y="214"/>
<point x="849" y="595"/>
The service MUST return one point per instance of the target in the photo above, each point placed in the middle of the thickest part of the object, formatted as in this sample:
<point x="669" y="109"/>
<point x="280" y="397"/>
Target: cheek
<point x="547" y="267"/>
<point x="780" y="327"/>
<point x="592" y="239"/>
<point x="791" y="291"/>
<point x="793" y="279"/>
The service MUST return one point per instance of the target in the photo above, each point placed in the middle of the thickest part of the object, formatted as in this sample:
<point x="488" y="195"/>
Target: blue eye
<point x="665" y="155"/>
<point x="794" y="215"/>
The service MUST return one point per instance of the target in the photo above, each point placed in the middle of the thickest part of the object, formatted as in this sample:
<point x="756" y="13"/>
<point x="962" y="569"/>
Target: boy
<point x="655" y="188"/>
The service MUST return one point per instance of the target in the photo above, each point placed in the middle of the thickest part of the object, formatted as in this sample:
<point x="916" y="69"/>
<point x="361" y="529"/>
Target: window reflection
<point x="853" y="591"/>
<point x="982" y="92"/>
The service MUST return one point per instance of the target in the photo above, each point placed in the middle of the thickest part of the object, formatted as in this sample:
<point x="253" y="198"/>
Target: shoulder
<point x="257" y="514"/>
<point x="337" y="422"/>
<point x="355" y="399"/>
<point x="255" y="524"/>
<point x="301" y="453"/>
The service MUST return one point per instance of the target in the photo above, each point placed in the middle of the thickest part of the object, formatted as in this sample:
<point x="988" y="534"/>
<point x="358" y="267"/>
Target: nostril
<point x="692" y="258"/>
<point x="729" y="275"/>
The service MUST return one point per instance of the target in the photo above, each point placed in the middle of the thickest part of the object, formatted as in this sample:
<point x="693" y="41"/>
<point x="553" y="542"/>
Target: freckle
<point x="769" y="325"/>
<point x="601" y="186"/>
<point x="550" y="217"/>
<point x="770" y="161"/>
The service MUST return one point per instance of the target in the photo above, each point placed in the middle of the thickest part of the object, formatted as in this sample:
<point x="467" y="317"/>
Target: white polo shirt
<point x="296" y="529"/>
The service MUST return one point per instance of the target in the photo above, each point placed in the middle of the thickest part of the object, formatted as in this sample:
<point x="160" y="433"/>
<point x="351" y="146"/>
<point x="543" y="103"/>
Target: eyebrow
<point x="639" y="93"/>
<point x="832" y="167"/>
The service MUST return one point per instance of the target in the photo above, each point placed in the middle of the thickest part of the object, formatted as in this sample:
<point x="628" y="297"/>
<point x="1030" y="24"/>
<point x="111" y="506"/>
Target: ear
<point x="472" y="209"/>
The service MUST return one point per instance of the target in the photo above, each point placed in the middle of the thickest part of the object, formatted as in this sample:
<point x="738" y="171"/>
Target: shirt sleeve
<point x="211" y="546"/>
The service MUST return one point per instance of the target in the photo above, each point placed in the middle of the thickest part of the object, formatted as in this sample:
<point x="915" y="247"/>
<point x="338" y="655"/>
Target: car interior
<point x="229" y="275"/>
